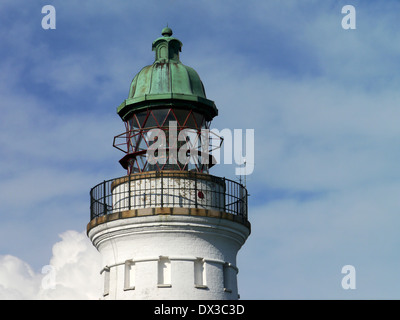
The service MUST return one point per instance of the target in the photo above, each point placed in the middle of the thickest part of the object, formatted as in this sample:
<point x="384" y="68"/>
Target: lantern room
<point x="167" y="99"/>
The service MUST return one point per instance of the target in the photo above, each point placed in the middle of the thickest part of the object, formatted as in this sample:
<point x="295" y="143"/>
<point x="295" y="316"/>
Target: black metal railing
<point x="168" y="189"/>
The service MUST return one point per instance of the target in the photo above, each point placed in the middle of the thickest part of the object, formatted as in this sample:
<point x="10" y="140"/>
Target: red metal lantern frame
<point x="134" y="142"/>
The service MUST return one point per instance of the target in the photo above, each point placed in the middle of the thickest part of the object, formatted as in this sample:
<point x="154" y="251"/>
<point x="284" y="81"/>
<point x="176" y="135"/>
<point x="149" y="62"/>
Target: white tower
<point x="168" y="229"/>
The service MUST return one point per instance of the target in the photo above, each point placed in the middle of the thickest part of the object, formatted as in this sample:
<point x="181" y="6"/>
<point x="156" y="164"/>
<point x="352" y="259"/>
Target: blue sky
<point x="323" y="101"/>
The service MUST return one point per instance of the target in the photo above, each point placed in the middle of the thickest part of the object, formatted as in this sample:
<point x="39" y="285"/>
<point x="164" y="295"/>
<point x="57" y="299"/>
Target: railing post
<point x="195" y="191"/>
<point x="224" y="195"/>
<point x="162" y="189"/>
<point x="104" y="198"/>
<point x="246" y="204"/>
<point x="129" y="192"/>
<point x="91" y="204"/>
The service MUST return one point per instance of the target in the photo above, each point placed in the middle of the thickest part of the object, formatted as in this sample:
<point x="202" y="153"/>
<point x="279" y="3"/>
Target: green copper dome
<point x="167" y="82"/>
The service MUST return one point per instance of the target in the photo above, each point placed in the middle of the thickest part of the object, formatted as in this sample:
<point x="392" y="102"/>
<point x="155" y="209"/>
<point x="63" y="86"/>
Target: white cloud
<point x="73" y="273"/>
<point x="17" y="279"/>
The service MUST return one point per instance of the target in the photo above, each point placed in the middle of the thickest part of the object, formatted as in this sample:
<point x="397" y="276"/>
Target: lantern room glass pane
<point x="180" y="116"/>
<point x="159" y="117"/>
<point x="156" y="117"/>
<point x="200" y="119"/>
<point x="138" y="119"/>
<point x="195" y="121"/>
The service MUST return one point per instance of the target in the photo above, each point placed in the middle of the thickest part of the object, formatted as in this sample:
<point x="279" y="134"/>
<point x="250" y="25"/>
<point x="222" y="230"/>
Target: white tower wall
<point x="169" y="257"/>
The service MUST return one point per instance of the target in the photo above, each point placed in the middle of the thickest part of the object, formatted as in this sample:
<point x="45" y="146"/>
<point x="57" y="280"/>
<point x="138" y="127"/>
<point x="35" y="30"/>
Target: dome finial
<point x="166" y="32"/>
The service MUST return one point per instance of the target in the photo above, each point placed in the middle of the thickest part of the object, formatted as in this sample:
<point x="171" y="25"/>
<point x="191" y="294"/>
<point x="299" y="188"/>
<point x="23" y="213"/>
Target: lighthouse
<point x="168" y="229"/>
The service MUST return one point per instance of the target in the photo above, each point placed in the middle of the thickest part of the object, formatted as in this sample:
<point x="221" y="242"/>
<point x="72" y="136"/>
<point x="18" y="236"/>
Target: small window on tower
<point x="164" y="272"/>
<point x="199" y="274"/>
<point x="130" y="275"/>
<point x="106" y="277"/>
<point x="228" y="277"/>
